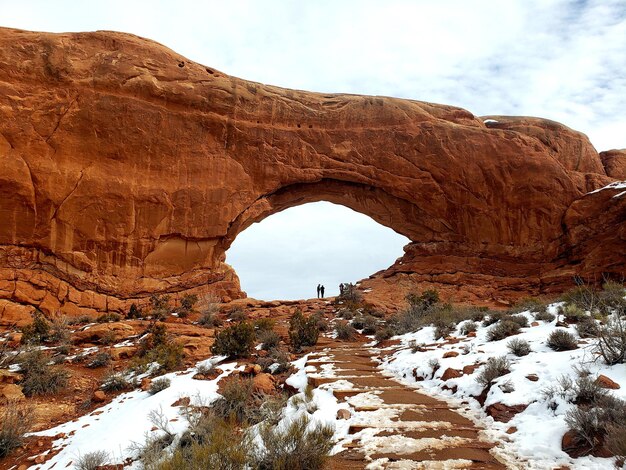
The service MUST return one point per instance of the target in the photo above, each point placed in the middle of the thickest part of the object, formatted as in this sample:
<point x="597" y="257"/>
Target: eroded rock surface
<point x="128" y="169"/>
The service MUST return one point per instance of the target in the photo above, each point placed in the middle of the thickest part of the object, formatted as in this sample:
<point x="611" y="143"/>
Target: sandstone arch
<point x="127" y="174"/>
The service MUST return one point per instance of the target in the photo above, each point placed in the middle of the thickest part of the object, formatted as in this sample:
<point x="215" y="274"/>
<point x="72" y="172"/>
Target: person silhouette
<point x="322" y="291"/>
<point x="318" y="290"/>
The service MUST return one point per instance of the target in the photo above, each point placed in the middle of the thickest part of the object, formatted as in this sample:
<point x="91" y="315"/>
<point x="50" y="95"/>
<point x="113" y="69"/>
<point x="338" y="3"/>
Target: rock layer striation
<point x="128" y="170"/>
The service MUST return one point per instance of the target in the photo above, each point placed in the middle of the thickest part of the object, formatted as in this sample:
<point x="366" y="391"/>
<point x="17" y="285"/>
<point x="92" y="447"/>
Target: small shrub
<point x="159" y="347"/>
<point x="519" y="347"/>
<point x="503" y="329"/>
<point x="263" y="324"/>
<point x="38" y="331"/>
<point x="587" y="327"/>
<point x="322" y="324"/>
<point x="612" y="298"/>
<point x="302" y="331"/>
<point x="40" y="378"/>
<point x="384" y="333"/>
<point x="561" y="340"/>
<point x="134" y="312"/>
<point x="468" y="326"/>
<point x="583" y="297"/>
<point x="521" y="320"/>
<point x="160" y="306"/>
<point x="544" y="316"/>
<point x="159" y="385"/>
<point x="345" y="331"/>
<point x="116" y="382"/>
<point x="296" y="447"/>
<point x="59" y="331"/>
<point x="587" y="390"/>
<point x="234" y="341"/>
<point x="269" y="340"/>
<point x="15" y="421"/>
<point x="109" y="317"/>
<point x="346" y="313"/>
<point x="237" y="314"/>
<point x="187" y="304"/>
<point x="92" y="460"/>
<point x="616" y="442"/>
<point x="276" y="362"/>
<point x="492" y="318"/>
<point x="239" y="402"/>
<point x="210" y="320"/>
<point x="572" y="312"/>
<point x="101" y="359"/>
<point x="495" y="367"/>
<point x="530" y="304"/>
<point x="611" y="343"/>
<point x="349" y="294"/>
<point x="443" y="329"/>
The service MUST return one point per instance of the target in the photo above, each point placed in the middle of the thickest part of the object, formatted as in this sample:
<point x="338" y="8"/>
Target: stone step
<point x="401" y="427"/>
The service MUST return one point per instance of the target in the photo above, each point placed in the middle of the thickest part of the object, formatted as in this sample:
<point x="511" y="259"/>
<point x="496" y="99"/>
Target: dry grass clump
<point x="495" y="367"/>
<point x="345" y="331"/>
<point x="159" y="385"/>
<point x="41" y="378"/>
<point x="519" y="347"/>
<point x="503" y="329"/>
<point x="159" y="347"/>
<point x="15" y="421"/>
<point x="92" y="460"/>
<point x="561" y="340"/>
<point x="611" y="343"/>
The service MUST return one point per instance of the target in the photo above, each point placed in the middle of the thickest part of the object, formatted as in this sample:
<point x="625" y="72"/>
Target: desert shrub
<point x="187" y="304"/>
<point x="582" y="296"/>
<point x="571" y="312"/>
<point x="210" y="320"/>
<point x="468" y="326"/>
<point x="109" y="317"/>
<point x="210" y="443"/>
<point x="611" y="343"/>
<point x="134" y="312"/>
<point x="276" y="362"/>
<point x="616" y="442"/>
<point x="519" y="347"/>
<point x="366" y="323"/>
<point x="521" y="320"/>
<point x="159" y="347"/>
<point x="473" y="313"/>
<point x="295" y="447"/>
<point x="384" y="333"/>
<point x="587" y="327"/>
<point x="269" y="339"/>
<point x="40" y="378"/>
<point x="495" y="367"/>
<point x="561" y="340"/>
<point x="544" y="316"/>
<point x="158" y="385"/>
<point x="443" y="329"/>
<point x="303" y="331"/>
<point x="420" y="312"/>
<point x="530" y="304"/>
<point x="322" y="324"/>
<point x="38" y="331"/>
<point x="237" y="314"/>
<point x="349" y="295"/>
<point x="59" y="330"/>
<point x="263" y="324"/>
<point x="160" y="306"/>
<point x="587" y="390"/>
<point x="92" y="460"/>
<point x="116" y="382"/>
<point x="592" y="424"/>
<point x="503" y="329"/>
<point x="234" y="341"/>
<point x="493" y="317"/>
<point x="345" y="331"/>
<point x="612" y="298"/>
<point x="15" y="421"/>
<point x="239" y="402"/>
<point x="346" y="313"/>
<point x="101" y="359"/>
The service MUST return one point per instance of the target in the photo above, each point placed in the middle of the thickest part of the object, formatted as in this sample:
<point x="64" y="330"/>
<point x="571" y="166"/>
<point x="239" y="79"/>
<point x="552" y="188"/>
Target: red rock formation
<point x="614" y="162"/>
<point x="128" y="169"/>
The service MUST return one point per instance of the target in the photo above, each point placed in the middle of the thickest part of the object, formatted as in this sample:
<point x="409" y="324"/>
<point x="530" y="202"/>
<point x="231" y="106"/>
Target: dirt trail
<point x="393" y="426"/>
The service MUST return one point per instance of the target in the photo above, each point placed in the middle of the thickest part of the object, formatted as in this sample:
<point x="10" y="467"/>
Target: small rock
<point x="532" y="377"/>
<point x="535" y="323"/>
<point x="98" y="396"/>
<point x="145" y="384"/>
<point x="450" y="354"/>
<point x="11" y="392"/>
<point x="342" y="413"/>
<point x="451" y="374"/>
<point x="504" y="413"/>
<point x="40" y="459"/>
<point x="264" y="383"/>
<point x="471" y="334"/>
<point x="511" y="430"/>
<point x="470" y="369"/>
<point x="183" y="401"/>
<point x="604" y="382"/>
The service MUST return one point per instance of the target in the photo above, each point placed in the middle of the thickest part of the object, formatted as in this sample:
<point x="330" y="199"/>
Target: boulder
<point x="504" y="413"/>
<point x="11" y="392"/>
<point x="451" y="374"/>
<point x="98" y="396"/>
<point x="264" y="383"/>
<point x="604" y="382"/>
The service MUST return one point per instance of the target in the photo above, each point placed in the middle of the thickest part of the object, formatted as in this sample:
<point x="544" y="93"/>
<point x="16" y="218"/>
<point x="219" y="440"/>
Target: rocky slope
<point x="129" y="170"/>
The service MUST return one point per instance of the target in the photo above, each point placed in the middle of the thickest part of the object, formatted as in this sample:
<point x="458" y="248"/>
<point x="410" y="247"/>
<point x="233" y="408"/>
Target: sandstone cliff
<point x="128" y="169"/>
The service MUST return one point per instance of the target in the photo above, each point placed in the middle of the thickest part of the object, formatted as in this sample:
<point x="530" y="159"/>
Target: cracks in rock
<point x="54" y="214"/>
<point x="74" y="100"/>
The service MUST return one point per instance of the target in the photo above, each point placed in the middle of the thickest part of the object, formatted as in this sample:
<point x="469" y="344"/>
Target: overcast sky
<point x="563" y="60"/>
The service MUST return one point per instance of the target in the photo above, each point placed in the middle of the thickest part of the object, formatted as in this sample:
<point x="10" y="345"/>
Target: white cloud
<point x="559" y="59"/>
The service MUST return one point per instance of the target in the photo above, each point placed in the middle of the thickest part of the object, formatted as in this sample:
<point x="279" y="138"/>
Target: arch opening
<point x="288" y="253"/>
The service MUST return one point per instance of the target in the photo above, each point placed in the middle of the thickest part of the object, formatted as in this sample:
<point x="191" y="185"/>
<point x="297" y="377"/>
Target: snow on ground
<point x="116" y="426"/>
<point x="537" y="441"/>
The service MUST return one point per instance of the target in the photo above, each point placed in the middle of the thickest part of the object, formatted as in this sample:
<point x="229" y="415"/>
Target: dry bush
<point x="234" y="341"/>
<point x="134" y="312"/>
<point x="15" y="421"/>
<point x="530" y="304"/>
<point x="322" y="324"/>
<point x="384" y="333"/>
<point x="544" y="316"/>
<point x="109" y="317"/>
<point x="92" y="460"/>
<point x="519" y="347"/>
<point x="37" y="331"/>
<point x="296" y="447"/>
<point x="561" y="340"/>
<point x="303" y="331"/>
<point x="612" y="298"/>
<point x="101" y="359"/>
<point x="159" y="385"/>
<point x="503" y="329"/>
<point x="587" y="327"/>
<point x="269" y="340"/>
<point x="572" y="312"/>
<point x="237" y="314"/>
<point x="40" y="378"/>
<point x="116" y="382"/>
<point x="468" y="326"/>
<point x="345" y="331"/>
<point x="349" y="295"/>
<point x="239" y="402"/>
<point x="158" y="346"/>
<point x="611" y="343"/>
<point x="495" y="367"/>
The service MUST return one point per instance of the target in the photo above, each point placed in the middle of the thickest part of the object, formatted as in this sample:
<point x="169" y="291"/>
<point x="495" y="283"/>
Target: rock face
<point x="128" y="170"/>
